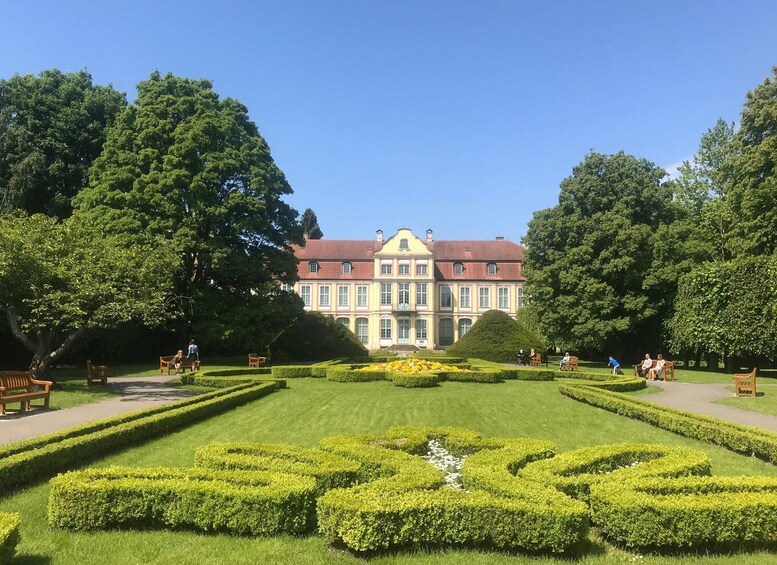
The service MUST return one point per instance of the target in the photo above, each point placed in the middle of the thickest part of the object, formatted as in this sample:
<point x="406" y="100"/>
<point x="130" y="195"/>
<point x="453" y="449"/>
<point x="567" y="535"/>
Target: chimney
<point x="306" y="235"/>
<point x="500" y="238"/>
<point x="379" y="236"/>
<point x="429" y="237"/>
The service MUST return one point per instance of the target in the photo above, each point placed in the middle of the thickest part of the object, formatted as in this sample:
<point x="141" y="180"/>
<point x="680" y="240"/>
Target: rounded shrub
<point x="315" y="337"/>
<point x="497" y="337"/>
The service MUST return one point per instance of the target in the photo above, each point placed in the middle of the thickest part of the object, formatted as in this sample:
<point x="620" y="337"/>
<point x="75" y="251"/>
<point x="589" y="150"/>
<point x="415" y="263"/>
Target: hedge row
<point x="237" y="372"/>
<point x="692" y="512"/>
<point x="328" y="469"/>
<point x="418" y="380"/>
<point x="605" y="382"/>
<point x="345" y="374"/>
<point x="574" y="472"/>
<point x="742" y="439"/>
<point x="207" y="380"/>
<point x="30" y="460"/>
<point x="9" y="535"/>
<point x="239" y="502"/>
<point x="292" y="371"/>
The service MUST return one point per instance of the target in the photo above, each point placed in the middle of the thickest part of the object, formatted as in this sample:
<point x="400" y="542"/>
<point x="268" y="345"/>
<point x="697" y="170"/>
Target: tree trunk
<point x="712" y="361"/>
<point x="697" y="360"/>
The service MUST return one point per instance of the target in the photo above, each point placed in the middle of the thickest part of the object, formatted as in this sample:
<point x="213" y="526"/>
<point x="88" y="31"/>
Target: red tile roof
<point x="487" y="250"/>
<point x="478" y="271"/>
<point x="337" y="249"/>
<point x="327" y="270"/>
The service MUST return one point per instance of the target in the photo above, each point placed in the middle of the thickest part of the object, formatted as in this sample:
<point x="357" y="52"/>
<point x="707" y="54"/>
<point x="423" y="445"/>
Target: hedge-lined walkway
<point x="136" y="393"/>
<point x="700" y="398"/>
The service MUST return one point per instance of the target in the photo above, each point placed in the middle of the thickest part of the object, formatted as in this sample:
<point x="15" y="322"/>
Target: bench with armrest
<point x="744" y="383"/>
<point x="19" y="386"/>
<point x="668" y="371"/>
<point x="536" y="360"/>
<point x="571" y="365"/>
<point x="166" y="365"/>
<point x="255" y="360"/>
<point x="638" y="368"/>
<point x="96" y="373"/>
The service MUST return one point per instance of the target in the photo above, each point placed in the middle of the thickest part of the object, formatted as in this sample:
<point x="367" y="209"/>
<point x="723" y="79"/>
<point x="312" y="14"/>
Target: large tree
<point x="52" y="127"/>
<point x="58" y="280"/>
<point x="587" y="258"/>
<point x="309" y="223"/>
<point x="184" y="164"/>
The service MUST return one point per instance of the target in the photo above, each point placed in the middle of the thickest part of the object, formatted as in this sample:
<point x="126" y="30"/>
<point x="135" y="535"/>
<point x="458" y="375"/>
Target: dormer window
<point x="347" y="267"/>
<point x="492" y="268"/>
<point x="458" y="269"/>
<point x="403" y="244"/>
<point x="312" y="267"/>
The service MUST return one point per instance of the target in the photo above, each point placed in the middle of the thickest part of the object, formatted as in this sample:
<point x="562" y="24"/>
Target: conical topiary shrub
<point x="496" y="337"/>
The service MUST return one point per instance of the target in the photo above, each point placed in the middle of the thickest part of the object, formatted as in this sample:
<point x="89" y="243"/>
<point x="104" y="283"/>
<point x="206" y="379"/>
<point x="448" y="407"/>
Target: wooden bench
<point x="744" y="384"/>
<point x="166" y="364"/>
<point x="255" y="360"/>
<point x="638" y="368"/>
<point x="668" y="370"/>
<point x="571" y="365"/>
<point x="18" y="386"/>
<point x="535" y="360"/>
<point x="96" y="373"/>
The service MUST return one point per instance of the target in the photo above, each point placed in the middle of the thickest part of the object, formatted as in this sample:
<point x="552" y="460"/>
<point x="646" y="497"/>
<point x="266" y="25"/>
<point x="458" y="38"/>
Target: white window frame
<point x="313" y="267"/>
<point x="385" y="328"/>
<point x="520" y="297"/>
<point x="386" y="269"/>
<point x="404" y="269"/>
<point x="460" y="324"/>
<point x="421" y="294"/>
<point x="484" y="297"/>
<point x="343" y="297"/>
<point x="458" y="268"/>
<point x="362" y="296"/>
<point x="324" y="296"/>
<point x="503" y="292"/>
<point x="465" y="297"/>
<point x="347" y="268"/>
<point x="384" y="289"/>
<point x="306" y="294"/>
<point x="421" y="269"/>
<point x="363" y="336"/>
<point x="445" y="292"/>
<point x="421" y="329"/>
<point x="404" y="288"/>
<point x="491" y="269"/>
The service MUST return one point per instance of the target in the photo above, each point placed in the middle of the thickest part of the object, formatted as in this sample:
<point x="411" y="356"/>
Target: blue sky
<point x="462" y="117"/>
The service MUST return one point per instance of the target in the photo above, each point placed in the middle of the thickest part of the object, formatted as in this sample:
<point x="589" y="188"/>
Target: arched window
<point x="492" y="268"/>
<point x="362" y="329"/>
<point x="347" y="267"/>
<point x="458" y="268"/>
<point x="465" y="324"/>
<point x="446" y="331"/>
<point x="344" y="321"/>
<point x="312" y="267"/>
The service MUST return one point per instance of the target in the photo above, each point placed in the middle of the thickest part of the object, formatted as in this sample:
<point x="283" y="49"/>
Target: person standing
<point x="193" y="354"/>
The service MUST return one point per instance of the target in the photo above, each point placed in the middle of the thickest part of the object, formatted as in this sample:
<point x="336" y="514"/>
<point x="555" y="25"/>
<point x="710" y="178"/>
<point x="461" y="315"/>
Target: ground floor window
<point x="464" y="326"/>
<point x="345" y="321"/>
<point x="362" y="329"/>
<point x="385" y="328"/>
<point x="420" y="328"/>
<point x="446" y="331"/>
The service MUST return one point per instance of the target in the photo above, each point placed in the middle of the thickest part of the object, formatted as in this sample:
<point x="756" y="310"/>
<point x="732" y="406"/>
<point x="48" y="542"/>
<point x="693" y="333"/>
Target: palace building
<point x="409" y="291"/>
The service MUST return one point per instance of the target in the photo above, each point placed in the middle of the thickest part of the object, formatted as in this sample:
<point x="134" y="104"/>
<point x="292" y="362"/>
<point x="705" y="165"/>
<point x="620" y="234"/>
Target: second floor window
<point x="420" y="294"/>
<point x="504" y="297"/>
<point x="323" y="296"/>
<point x="404" y="269"/>
<point x="361" y="296"/>
<point x="404" y="293"/>
<point x="385" y="294"/>
<point x="342" y="296"/>
<point x="304" y="293"/>
<point x="465" y="297"/>
<point x="446" y="300"/>
<point x="519" y="298"/>
<point x="421" y="269"/>
<point x="385" y="269"/>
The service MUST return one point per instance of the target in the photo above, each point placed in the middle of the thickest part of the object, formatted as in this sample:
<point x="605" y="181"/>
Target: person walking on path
<point x="193" y="353"/>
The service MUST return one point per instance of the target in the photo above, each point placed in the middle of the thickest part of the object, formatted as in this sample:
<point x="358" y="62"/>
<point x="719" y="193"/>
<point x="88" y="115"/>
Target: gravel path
<point x="700" y="398"/>
<point x="136" y="393"/>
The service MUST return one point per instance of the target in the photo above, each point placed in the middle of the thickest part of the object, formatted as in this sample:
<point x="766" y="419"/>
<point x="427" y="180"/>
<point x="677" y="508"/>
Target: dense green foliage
<point x="314" y="337"/>
<point x="52" y="127"/>
<point x="309" y="225"/>
<point x="239" y="502"/>
<point x="9" y="536"/>
<point x="26" y="461"/>
<point x="588" y="256"/>
<point x="495" y="336"/>
<point x="58" y="280"/>
<point x="184" y="164"/>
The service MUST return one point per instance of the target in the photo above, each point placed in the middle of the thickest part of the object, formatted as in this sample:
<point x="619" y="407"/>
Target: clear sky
<point x="462" y="117"/>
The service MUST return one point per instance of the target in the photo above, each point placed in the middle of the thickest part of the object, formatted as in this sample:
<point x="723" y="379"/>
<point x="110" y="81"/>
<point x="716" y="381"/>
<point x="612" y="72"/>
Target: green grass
<point x="765" y="402"/>
<point x="311" y="409"/>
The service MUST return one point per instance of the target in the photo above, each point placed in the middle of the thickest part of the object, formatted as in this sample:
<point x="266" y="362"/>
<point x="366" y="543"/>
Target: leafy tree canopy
<point x="52" y="127"/>
<point x="183" y="164"/>
<point x="59" y="279"/>
<point x="495" y="336"/>
<point x="316" y="337"/>
<point x="587" y="258"/>
<point x="310" y="225"/>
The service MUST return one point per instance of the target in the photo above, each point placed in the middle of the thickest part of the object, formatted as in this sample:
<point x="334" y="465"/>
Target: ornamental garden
<point x="448" y="459"/>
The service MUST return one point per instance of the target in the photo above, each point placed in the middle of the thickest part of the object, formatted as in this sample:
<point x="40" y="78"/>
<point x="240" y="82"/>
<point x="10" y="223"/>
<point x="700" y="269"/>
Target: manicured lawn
<point x="765" y="402"/>
<point x="311" y="409"/>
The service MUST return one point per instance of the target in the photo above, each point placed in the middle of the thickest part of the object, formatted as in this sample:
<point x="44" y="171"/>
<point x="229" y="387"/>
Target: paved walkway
<point x="136" y="393"/>
<point x="700" y="398"/>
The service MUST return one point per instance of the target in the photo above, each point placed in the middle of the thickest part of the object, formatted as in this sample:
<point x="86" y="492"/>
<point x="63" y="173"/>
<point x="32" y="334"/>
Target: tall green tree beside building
<point x="52" y="127"/>
<point x="184" y="164"/>
<point x="588" y="258"/>
<point x="310" y="225"/>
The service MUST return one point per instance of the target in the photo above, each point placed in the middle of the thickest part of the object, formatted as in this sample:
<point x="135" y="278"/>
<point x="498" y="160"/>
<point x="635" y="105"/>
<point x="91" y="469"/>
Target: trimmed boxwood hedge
<point x="26" y="461"/>
<point x="574" y="472"/>
<point x="260" y="371"/>
<point x="292" y="371"/>
<point x="691" y="512"/>
<point x="328" y="469"/>
<point x="615" y="383"/>
<point x="496" y="336"/>
<point x="742" y="439"/>
<point x="239" y="502"/>
<point x="345" y="374"/>
<point x="207" y="380"/>
<point x="417" y="380"/>
<point x="9" y="535"/>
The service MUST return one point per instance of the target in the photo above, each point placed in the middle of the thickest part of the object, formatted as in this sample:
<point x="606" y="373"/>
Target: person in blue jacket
<point x="616" y="367"/>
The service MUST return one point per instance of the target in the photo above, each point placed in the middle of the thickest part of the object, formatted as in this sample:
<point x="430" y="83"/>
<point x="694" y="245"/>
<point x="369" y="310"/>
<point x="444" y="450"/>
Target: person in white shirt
<point x="647" y="364"/>
<point x="564" y="360"/>
<point x="655" y="372"/>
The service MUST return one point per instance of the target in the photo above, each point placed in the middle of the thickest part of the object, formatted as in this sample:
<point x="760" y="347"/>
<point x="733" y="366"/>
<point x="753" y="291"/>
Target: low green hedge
<point x="417" y="380"/>
<point x="473" y="376"/>
<point x="328" y="469"/>
<point x="691" y="512"/>
<point x="574" y="472"/>
<point x="615" y="383"/>
<point x="24" y="462"/>
<point x="9" y="535"/>
<point x="208" y="380"/>
<point x="264" y="371"/>
<point x="293" y="371"/>
<point x="742" y="439"/>
<point x="345" y="374"/>
<point x="238" y="502"/>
